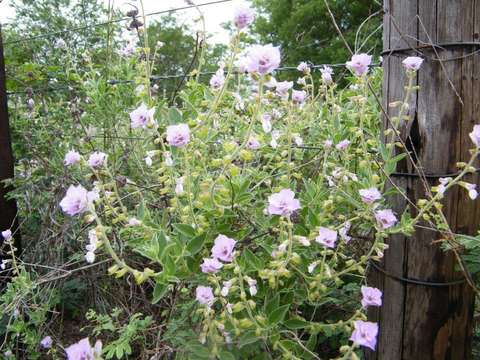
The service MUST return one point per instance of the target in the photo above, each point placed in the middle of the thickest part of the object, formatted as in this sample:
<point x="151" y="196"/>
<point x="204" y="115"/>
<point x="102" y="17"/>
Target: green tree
<point x="305" y="31"/>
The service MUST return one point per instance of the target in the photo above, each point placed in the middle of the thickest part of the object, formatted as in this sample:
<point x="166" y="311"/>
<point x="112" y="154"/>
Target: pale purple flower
<point x="93" y="240"/>
<point x="327" y="73"/>
<point x="412" y="63"/>
<point x="327" y="144"/>
<point x="71" y="158"/>
<point x="243" y="16"/>
<point x="282" y="88"/>
<point x="370" y="195"/>
<point x="472" y="190"/>
<point x="359" y="64"/>
<point x="253" y="143"/>
<point x="128" y="49"/>
<point x="179" y="186"/>
<point x="226" y="288"/>
<point x="342" y="145"/>
<point x="385" y="218"/>
<point x="303" y="240"/>
<point x="211" y="265"/>
<point x="298" y="96"/>
<point x="311" y="267"/>
<point x="302" y="81"/>
<point x="97" y="159"/>
<point x="148" y="161"/>
<point x="303" y="67"/>
<point x="223" y="248"/>
<point x="217" y="80"/>
<point x="475" y="135"/>
<point x="204" y="295"/>
<point x="46" y="342"/>
<point x="326" y="237"/>
<point x="76" y="200"/>
<point x="252" y="286"/>
<point x="365" y="334"/>
<point x="134" y="222"/>
<point x="275" y="136"/>
<point x="142" y="116"/>
<point x="266" y="123"/>
<point x="271" y="83"/>
<point x="343" y="232"/>
<point x="7" y="234"/>
<point x="83" y="350"/>
<point x="90" y="257"/>
<point x="297" y="139"/>
<point x="168" y="158"/>
<point x="283" y="203"/>
<point x="443" y="184"/>
<point x="178" y="135"/>
<point x="371" y="296"/>
<point x="263" y="59"/>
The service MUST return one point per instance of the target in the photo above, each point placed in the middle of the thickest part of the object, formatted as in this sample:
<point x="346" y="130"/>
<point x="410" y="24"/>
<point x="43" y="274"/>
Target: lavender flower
<point x="299" y="96"/>
<point x="142" y="116"/>
<point x="243" y="16"/>
<point x="211" y="265"/>
<point x="46" y="342"/>
<point x="327" y="73"/>
<point x="83" y="350"/>
<point x="223" y="248"/>
<point x="412" y="63"/>
<point x="475" y="135"/>
<point x="97" y="159"/>
<point x="303" y="67"/>
<point x="283" y="203"/>
<point x="359" y="64"/>
<point x="371" y="296"/>
<point x="76" y="200"/>
<point x="370" y="195"/>
<point x="71" y="158"/>
<point x="385" y="218"/>
<point x="263" y="59"/>
<point x="365" y="334"/>
<point x="326" y="237"/>
<point x="7" y="235"/>
<point x="204" y="295"/>
<point x="178" y="135"/>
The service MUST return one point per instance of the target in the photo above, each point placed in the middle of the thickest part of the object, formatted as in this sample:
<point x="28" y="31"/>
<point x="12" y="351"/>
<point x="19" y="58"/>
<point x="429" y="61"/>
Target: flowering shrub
<point x="249" y="213"/>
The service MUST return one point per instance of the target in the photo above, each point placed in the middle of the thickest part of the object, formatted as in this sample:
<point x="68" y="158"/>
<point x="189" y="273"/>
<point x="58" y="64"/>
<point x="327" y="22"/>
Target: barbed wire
<point x="155" y="78"/>
<point x="79" y="28"/>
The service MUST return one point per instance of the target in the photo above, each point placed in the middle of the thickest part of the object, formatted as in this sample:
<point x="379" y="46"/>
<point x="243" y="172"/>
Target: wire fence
<point x="156" y="78"/>
<point x="86" y="27"/>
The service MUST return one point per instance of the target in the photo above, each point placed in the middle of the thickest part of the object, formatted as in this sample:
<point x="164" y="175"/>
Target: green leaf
<point x="196" y="244"/>
<point x="296" y="324"/>
<point x="159" y="292"/>
<point x="225" y="355"/>
<point x="185" y="230"/>
<point x="252" y="260"/>
<point x="272" y="304"/>
<point x="247" y="338"/>
<point x="278" y="314"/>
<point x="175" y="116"/>
<point x="160" y="243"/>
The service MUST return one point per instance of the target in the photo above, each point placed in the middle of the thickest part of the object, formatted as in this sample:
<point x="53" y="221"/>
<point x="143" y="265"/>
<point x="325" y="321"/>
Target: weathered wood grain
<point x="422" y="322"/>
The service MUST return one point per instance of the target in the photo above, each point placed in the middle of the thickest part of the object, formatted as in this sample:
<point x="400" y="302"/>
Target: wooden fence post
<point x="8" y="208"/>
<point x="425" y="322"/>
